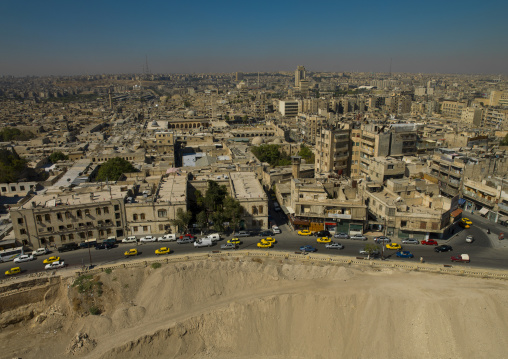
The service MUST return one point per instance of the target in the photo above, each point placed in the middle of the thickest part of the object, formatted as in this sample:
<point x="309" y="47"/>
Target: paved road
<point x="485" y="251"/>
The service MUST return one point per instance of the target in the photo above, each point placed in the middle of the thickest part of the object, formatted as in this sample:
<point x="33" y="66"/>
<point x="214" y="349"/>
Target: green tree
<point x="112" y="169"/>
<point x="58" y="156"/>
<point x="271" y="154"/>
<point x="14" y="134"/>
<point x="504" y="141"/>
<point x="182" y="220"/>
<point x="232" y="210"/>
<point x="306" y="154"/>
<point x="214" y="196"/>
<point x="202" y="220"/>
<point x="371" y="249"/>
<point x="12" y="167"/>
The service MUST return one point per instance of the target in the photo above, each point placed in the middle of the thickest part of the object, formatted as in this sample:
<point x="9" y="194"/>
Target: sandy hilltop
<point x="245" y="307"/>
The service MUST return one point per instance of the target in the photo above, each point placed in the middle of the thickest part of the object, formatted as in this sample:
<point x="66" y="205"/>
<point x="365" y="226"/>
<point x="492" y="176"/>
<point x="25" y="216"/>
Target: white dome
<point x="257" y="141"/>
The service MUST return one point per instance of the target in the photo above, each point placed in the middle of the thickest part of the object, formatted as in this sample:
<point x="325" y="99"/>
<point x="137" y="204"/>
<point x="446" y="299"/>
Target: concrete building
<point x="332" y="151"/>
<point x="453" y="109"/>
<point x="472" y="116"/>
<point x="384" y="168"/>
<point x="288" y="108"/>
<point x="300" y="74"/>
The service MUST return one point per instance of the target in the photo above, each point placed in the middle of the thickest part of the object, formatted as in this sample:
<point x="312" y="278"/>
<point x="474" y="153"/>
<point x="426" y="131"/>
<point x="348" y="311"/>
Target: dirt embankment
<point x="245" y="308"/>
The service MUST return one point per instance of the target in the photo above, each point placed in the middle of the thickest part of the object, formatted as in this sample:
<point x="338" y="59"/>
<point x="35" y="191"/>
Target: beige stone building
<point x="332" y="151"/>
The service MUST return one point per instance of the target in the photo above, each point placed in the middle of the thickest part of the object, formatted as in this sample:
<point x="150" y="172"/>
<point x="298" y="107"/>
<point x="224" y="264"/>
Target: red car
<point x="429" y="242"/>
<point x="188" y="236"/>
<point x="460" y="258"/>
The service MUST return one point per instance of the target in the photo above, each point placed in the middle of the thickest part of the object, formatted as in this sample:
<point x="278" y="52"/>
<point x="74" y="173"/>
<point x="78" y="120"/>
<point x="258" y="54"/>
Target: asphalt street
<point x="486" y="250"/>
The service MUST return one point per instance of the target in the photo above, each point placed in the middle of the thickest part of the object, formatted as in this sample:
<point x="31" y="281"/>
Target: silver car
<point x="334" y="245"/>
<point x="410" y="241"/>
<point x="341" y="235"/>
<point x="359" y="237"/>
<point x="382" y="239"/>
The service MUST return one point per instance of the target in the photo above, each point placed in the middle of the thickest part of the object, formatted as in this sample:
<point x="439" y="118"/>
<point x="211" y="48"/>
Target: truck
<point x="68" y="247"/>
<point x="214" y="237"/>
<point x="204" y="242"/>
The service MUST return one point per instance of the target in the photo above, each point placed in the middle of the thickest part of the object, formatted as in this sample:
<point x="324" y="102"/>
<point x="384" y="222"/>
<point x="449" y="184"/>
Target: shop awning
<point x="502" y="219"/>
<point x="484" y="211"/>
<point x="462" y="201"/>
<point x="301" y="222"/>
<point x="456" y="213"/>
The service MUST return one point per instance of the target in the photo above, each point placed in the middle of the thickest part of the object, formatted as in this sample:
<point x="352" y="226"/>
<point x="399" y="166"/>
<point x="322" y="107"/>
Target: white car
<point x="131" y="239"/>
<point x="276" y="230"/>
<point x="40" y="252"/>
<point x="360" y="237"/>
<point x="334" y="245"/>
<point x="55" y="265"/>
<point x="469" y="239"/>
<point x="24" y="258"/>
<point x="148" y="239"/>
<point x="167" y="238"/>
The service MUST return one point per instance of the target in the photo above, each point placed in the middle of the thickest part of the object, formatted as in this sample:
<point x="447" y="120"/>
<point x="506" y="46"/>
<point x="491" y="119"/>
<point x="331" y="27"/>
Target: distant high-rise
<point x="239" y="76"/>
<point x="299" y="75"/>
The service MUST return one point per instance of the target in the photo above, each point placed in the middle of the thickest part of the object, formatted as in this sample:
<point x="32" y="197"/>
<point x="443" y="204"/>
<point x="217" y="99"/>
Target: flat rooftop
<point x="173" y="189"/>
<point x="245" y="185"/>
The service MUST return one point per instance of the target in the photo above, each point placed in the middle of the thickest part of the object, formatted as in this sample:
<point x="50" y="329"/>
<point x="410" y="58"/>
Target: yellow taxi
<point x="269" y="240"/>
<point x="51" y="260"/>
<point x="304" y="232"/>
<point x="234" y="241"/>
<point x="131" y="252"/>
<point x="324" y="240"/>
<point x="395" y="246"/>
<point x="13" y="271"/>
<point x="264" y="245"/>
<point x="162" y="250"/>
<point x="466" y="222"/>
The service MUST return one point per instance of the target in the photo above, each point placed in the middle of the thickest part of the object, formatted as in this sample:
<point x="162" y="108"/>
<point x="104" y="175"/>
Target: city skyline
<point x="202" y="37"/>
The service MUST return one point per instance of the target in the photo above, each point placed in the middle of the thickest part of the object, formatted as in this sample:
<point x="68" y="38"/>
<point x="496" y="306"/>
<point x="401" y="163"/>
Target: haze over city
<point x="67" y="38"/>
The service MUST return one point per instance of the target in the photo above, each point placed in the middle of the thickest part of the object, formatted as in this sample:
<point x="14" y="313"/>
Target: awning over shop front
<point x="456" y="213"/>
<point x="502" y="219"/>
<point x="290" y="210"/>
<point x="462" y="201"/>
<point x="484" y="211"/>
<point x="301" y="222"/>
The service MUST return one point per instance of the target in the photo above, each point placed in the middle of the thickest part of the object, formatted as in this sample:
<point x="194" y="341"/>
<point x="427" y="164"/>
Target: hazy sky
<point x="93" y="37"/>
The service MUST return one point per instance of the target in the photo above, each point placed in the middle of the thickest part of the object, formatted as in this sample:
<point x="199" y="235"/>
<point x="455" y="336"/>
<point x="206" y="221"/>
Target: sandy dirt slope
<point x="266" y="309"/>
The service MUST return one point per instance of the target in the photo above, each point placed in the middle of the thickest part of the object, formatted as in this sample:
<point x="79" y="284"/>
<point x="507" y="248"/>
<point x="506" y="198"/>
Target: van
<point x="68" y="247"/>
<point x="214" y="237"/>
<point x="204" y="242"/>
<point x="276" y="230"/>
<point x="110" y="240"/>
<point x="167" y="238"/>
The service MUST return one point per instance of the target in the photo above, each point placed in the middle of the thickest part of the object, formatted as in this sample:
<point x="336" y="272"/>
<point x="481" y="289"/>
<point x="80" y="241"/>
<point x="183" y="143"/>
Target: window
<point x="71" y="237"/>
<point x="67" y="215"/>
<point x="254" y="210"/>
<point x="38" y="218"/>
<point x="82" y="235"/>
<point x="145" y="228"/>
<point x="13" y="188"/>
<point x="161" y="227"/>
<point x="89" y="224"/>
<point x="135" y="228"/>
<point x="69" y="226"/>
<point x="435" y="225"/>
<point x="87" y="212"/>
<point x="22" y="231"/>
<point x="47" y="217"/>
<point x="59" y="216"/>
<point x="61" y="228"/>
<point x="22" y="188"/>
<point x="79" y="213"/>
<point x="20" y="220"/>
<point x="62" y="238"/>
<point x="43" y="240"/>
<point x="50" y="229"/>
<point x="108" y="231"/>
<point x="423" y="225"/>
<point x="4" y="189"/>
<point x="98" y="211"/>
<point x="108" y="221"/>
<point x="162" y="213"/>
<point x="117" y="207"/>
<point x="390" y="167"/>
<point x="134" y="217"/>
<point x="90" y="234"/>
<point x="118" y="224"/>
<point x="117" y="215"/>
<point x="142" y="215"/>
<point x="105" y="210"/>
<point x="403" y="223"/>
<point x="51" y="239"/>
<point x="261" y="209"/>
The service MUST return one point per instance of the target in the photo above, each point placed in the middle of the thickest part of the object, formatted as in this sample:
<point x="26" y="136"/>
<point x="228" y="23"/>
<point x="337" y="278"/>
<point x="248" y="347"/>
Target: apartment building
<point x="410" y="208"/>
<point x="288" y="108"/>
<point x="310" y="125"/>
<point x="332" y="151"/>
<point x="472" y="116"/>
<point x="495" y="118"/>
<point x="453" y="109"/>
<point x="384" y="168"/>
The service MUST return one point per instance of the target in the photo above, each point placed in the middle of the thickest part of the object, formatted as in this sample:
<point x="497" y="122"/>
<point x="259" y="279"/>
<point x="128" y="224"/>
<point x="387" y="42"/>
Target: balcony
<point x="475" y="197"/>
<point x="503" y="208"/>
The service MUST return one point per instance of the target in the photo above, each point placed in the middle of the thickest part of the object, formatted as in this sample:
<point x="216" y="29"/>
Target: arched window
<point x="134" y="217"/>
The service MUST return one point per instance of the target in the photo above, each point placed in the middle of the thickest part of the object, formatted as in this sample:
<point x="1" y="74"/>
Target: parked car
<point x="229" y="246"/>
<point x="162" y="250"/>
<point x="460" y="258"/>
<point x="234" y="241"/>
<point x="304" y="232"/>
<point x="341" y="235"/>
<point x="88" y="244"/>
<point x="12" y="271"/>
<point x="269" y="240"/>
<point x="405" y="254"/>
<point x="184" y="240"/>
<point x="395" y="246"/>
<point x="24" y="258"/>
<point x="276" y="230"/>
<point x="360" y="237"/>
<point x="104" y="245"/>
<point x="410" y="241"/>
<point x="469" y="239"/>
<point x="334" y="245"/>
<point x="68" y="247"/>
<point x="51" y="260"/>
<point x="148" y="239"/>
<point x="167" y="238"/>
<point x="40" y="252"/>
<point x="55" y="265"/>
<point x="324" y="240"/>
<point x="243" y="234"/>
<point x="111" y="240"/>
<point x="308" y="249"/>
<point x="443" y="248"/>
<point x="131" y="252"/>
<point x="382" y="239"/>
<point x="429" y="242"/>
<point x="131" y="239"/>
